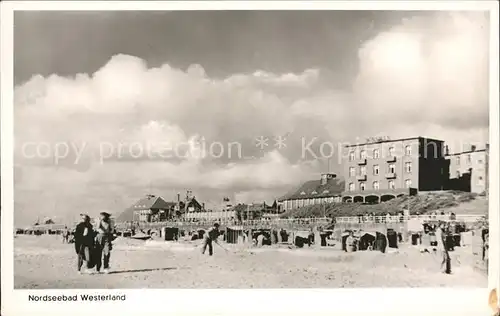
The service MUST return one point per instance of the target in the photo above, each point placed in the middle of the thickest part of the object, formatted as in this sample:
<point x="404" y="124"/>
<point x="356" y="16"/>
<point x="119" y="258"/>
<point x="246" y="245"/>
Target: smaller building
<point x="151" y="208"/>
<point x="326" y="190"/>
<point x="469" y="170"/>
<point x="251" y="211"/>
<point x="211" y="215"/>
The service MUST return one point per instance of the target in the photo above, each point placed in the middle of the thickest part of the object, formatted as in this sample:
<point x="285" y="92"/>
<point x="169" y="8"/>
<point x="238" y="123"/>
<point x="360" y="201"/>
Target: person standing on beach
<point x="84" y="242"/>
<point x="210" y="236"/>
<point x="441" y="241"/>
<point x="103" y="242"/>
<point x="65" y="235"/>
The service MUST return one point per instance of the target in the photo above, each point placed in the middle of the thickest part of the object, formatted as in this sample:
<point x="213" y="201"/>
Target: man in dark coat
<point x="210" y="236"/>
<point x="84" y="243"/>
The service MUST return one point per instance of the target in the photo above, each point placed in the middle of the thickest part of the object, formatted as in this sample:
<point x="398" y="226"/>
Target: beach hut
<point x="262" y="232"/>
<point x="433" y="239"/>
<point x="392" y="238"/>
<point x="380" y="242"/>
<point x="345" y="234"/>
<point x="455" y="230"/>
<point x="170" y="233"/>
<point x="324" y="235"/>
<point x="449" y="241"/>
<point x="274" y="236"/>
<point x="415" y="229"/>
<point x="283" y="235"/>
<point x="301" y="238"/>
<point x="367" y="240"/>
<point x="201" y="233"/>
<point x="233" y="234"/>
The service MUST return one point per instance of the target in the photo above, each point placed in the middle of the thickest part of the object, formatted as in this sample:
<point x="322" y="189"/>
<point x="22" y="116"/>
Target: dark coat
<point x="81" y="240"/>
<point x="213" y="233"/>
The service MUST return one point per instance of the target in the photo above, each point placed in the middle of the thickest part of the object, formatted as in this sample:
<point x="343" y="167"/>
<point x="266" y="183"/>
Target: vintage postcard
<point x="157" y="157"/>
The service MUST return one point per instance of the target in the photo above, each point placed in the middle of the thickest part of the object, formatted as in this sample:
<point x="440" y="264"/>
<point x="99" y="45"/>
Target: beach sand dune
<point x="45" y="263"/>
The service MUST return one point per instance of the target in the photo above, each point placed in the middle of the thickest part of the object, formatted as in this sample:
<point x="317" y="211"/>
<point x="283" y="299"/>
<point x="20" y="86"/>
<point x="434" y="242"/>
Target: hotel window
<point x="362" y="186"/>
<point x="362" y="155"/>
<point x="376" y="154"/>
<point x="376" y="169"/>
<point x="351" y="186"/>
<point x="408" y="150"/>
<point x="352" y="172"/>
<point x="391" y="184"/>
<point x="458" y="161"/>
<point x="351" y="156"/>
<point x="362" y="170"/>
<point x="469" y="159"/>
<point x="392" y="168"/>
<point x="408" y="167"/>
<point x="458" y="174"/>
<point x="480" y="161"/>
<point x="391" y="151"/>
<point x="408" y="183"/>
<point x="375" y="185"/>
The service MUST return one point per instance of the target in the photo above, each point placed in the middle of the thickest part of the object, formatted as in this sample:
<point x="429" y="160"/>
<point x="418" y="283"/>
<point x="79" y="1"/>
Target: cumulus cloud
<point x="428" y="71"/>
<point x="424" y="77"/>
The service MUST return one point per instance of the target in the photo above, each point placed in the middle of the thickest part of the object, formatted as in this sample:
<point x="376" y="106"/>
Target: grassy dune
<point x="448" y="201"/>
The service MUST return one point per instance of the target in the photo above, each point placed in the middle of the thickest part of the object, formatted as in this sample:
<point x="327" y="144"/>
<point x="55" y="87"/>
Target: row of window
<point x="376" y="185"/>
<point x="376" y="169"/>
<point x="314" y="192"/>
<point x="309" y="201"/>
<point x="376" y="153"/>
<point x="468" y="160"/>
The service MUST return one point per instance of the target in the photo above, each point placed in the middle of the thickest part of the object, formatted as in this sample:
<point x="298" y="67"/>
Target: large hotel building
<point x="381" y="170"/>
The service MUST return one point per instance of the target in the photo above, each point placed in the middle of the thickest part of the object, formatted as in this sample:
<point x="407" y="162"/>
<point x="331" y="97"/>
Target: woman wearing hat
<point x="103" y="242"/>
<point x="84" y="242"/>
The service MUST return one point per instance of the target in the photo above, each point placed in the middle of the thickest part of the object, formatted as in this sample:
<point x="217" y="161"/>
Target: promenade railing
<point x="402" y="218"/>
<point x="302" y="222"/>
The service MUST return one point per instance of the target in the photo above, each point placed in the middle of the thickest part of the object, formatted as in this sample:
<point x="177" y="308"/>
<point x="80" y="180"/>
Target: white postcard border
<point x="178" y="302"/>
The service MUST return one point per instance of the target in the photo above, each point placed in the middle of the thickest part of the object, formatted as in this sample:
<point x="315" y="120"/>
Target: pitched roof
<point x="192" y="202"/>
<point x="314" y="189"/>
<point x="146" y="203"/>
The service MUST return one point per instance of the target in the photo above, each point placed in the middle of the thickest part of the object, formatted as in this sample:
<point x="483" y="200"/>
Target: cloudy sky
<point x="120" y="104"/>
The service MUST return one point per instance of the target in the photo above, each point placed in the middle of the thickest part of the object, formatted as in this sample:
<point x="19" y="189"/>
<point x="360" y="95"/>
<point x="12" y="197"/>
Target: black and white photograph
<point x="251" y="149"/>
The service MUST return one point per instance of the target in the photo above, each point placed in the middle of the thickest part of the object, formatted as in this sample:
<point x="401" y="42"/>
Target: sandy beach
<point x="45" y="263"/>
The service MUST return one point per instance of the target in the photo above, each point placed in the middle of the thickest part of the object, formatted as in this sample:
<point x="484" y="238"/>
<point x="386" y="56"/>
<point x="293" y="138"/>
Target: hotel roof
<point x="467" y="152"/>
<point x="314" y="189"/>
<point x="394" y="140"/>
<point x="146" y="203"/>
